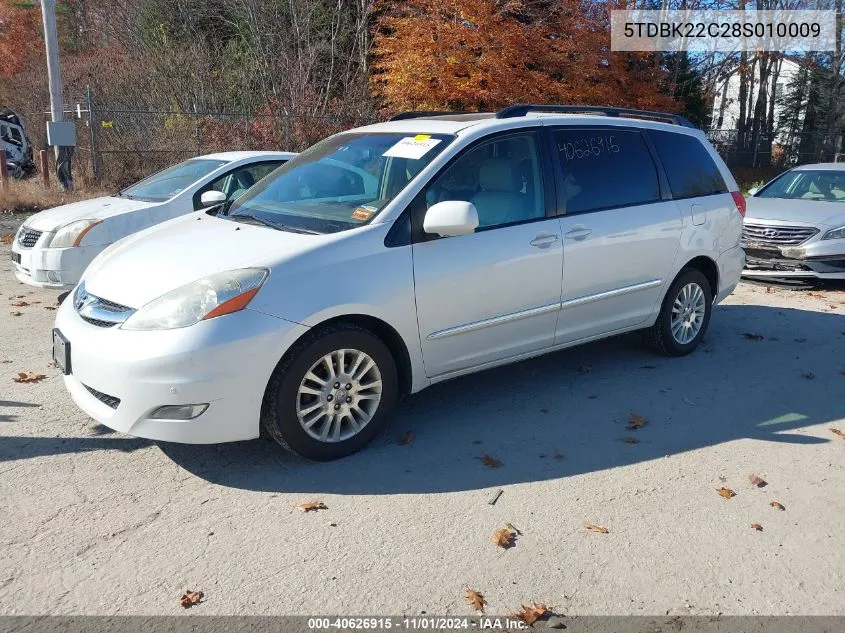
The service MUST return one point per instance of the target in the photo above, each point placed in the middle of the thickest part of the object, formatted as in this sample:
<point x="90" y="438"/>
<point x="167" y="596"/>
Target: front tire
<point x="331" y="394"/>
<point x="684" y="315"/>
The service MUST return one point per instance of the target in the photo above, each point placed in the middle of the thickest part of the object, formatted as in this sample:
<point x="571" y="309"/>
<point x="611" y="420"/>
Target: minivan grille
<point x="777" y="235"/>
<point x="28" y="237"/>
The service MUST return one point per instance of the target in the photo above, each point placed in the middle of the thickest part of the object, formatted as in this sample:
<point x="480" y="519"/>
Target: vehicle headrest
<point x="499" y="174"/>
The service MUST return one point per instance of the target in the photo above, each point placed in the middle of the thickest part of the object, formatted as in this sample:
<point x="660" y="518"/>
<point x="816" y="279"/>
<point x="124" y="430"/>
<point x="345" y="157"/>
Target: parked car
<point x="15" y="143"/>
<point x="52" y="248"/>
<point x="795" y="225"/>
<point x="314" y="301"/>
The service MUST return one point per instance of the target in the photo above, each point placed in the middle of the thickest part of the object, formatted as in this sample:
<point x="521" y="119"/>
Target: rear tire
<point x="320" y="404"/>
<point x="684" y="315"/>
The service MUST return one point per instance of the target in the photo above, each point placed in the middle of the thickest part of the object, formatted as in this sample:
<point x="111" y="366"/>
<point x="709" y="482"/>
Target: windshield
<point x="341" y="182"/>
<point x="825" y="185"/>
<point x="168" y="182"/>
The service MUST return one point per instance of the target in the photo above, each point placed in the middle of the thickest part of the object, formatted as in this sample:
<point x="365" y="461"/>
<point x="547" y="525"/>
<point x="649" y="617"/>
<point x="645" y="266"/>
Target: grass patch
<point x="29" y="196"/>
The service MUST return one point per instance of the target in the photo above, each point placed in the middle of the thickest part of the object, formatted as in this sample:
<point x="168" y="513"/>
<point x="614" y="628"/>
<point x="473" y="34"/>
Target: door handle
<point x="578" y="234"/>
<point x="543" y="240"/>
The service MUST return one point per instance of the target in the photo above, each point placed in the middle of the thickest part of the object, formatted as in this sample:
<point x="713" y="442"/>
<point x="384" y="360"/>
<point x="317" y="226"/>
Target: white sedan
<point x="53" y="248"/>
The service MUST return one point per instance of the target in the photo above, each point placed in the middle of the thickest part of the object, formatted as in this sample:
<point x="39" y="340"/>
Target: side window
<point x="604" y="169"/>
<point x="501" y="178"/>
<point x="235" y="183"/>
<point x="689" y="167"/>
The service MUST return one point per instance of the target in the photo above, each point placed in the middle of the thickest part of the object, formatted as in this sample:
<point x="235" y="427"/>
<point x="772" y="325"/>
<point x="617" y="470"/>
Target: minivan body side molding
<point x="499" y="320"/>
<point x="531" y="312"/>
<point x="577" y="301"/>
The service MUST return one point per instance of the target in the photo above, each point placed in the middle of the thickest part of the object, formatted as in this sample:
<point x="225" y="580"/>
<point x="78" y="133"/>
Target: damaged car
<point x="795" y="225"/>
<point x="16" y="145"/>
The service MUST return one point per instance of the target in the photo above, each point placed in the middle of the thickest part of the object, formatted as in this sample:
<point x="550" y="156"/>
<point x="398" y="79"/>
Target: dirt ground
<point x="94" y="522"/>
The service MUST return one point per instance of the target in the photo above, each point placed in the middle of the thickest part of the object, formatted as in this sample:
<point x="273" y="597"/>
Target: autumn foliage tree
<point x="483" y="54"/>
<point x="20" y="38"/>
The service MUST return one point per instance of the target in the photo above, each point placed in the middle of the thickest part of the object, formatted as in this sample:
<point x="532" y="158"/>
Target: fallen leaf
<point x="757" y="527"/>
<point x="49" y="307"/>
<point x="808" y="375"/>
<point x="52" y="364"/>
<point x="584" y="369"/>
<point x="727" y="493"/>
<point x="768" y="289"/>
<point x="757" y="481"/>
<point x="630" y="440"/>
<point x="490" y="462"/>
<point x="513" y="529"/>
<point x="722" y="478"/>
<point x="5" y="362"/>
<point x="753" y="336"/>
<point x="190" y="598"/>
<point x="836" y="431"/>
<point x="312" y="506"/>
<point x="7" y="238"/>
<point x="20" y="304"/>
<point x="15" y="313"/>
<point x="800" y="340"/>
<point x="405" y="438"/>
<point x="558" y="456"/>
<point x="476" y="599"/>
<point x="544" y="410"/>
<point x="596" y="528"/>
<point x="636" y="421"/>
<point x="531" y="614"/>
<point x="34" y="302"/>
<point x="777" y="505"/>
<point x="29" y="377"/>
<point x="831" y="306"/>
<point x="505" y="538"/>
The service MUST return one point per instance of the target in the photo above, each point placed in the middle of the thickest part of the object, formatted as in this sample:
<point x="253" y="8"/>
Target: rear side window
<point x="604" y="169"/>
<point x="689" y="167"/>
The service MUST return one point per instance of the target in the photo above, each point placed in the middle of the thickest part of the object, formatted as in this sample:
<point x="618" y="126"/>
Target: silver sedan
<point x="795" y="225"/>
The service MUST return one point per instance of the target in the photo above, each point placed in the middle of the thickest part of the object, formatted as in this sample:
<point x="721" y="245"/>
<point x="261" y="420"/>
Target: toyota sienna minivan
<point x="393" y="256"/>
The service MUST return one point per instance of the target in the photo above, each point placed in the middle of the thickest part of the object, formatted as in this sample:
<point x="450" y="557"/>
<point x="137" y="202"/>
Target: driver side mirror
<point x="753" y="190"/>
<point x="212" y="197"/>
<point x="451" y="218"/>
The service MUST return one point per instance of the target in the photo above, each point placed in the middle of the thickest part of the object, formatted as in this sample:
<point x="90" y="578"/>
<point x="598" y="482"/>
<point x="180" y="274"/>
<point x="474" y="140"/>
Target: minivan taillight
<point x="740" y="202"/>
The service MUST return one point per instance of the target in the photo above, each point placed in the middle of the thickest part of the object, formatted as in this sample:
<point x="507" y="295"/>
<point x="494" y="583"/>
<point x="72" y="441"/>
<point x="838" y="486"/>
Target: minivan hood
<point x="815" y="212"/>
<point x="146" y="265"/>
<point x="94" y="209"/>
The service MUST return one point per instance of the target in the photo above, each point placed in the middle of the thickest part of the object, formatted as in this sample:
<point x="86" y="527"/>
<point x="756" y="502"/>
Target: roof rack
<point x="421" y="114"/>
<point x="523" y="109"/>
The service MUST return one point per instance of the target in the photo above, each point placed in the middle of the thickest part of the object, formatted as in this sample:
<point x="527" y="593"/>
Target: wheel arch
<point x="708" y="268"/>
<point x="384" y="331"/>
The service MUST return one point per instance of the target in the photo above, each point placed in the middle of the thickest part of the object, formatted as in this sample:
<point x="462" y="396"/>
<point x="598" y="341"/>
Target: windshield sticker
<point x="413" y="147"/>
<point x="362" y="213"/>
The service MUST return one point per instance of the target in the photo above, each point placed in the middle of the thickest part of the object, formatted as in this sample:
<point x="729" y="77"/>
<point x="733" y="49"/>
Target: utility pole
<point x="60" y="134"/>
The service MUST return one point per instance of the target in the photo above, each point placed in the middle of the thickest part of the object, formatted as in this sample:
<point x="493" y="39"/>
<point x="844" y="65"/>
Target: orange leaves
<point x="29" y="377"/>
<point x="727" y="493"/>
<point x="478" y="55"/>
<point x="475" y="599"/>
<point x="312" y="506"/>
<point x="190" y="598"/>
<point x="506" y="537"/>
<point x="7" y="238"/>
<point x="596" y="528"/>
<point x="757" y="526"/>
<point x="838" y="433"/>
<point x="531" y="614"/>
<point x="777" y="505"/>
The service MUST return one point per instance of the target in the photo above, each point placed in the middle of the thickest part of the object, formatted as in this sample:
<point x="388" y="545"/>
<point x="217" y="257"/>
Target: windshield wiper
<point x="254" y="219"/>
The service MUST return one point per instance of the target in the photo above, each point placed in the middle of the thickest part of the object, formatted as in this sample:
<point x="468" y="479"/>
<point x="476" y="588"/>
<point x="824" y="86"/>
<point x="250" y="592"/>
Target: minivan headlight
<point x="207" y="298"/>
<point x="72" y="234"/>
<point x="835" y="234"/>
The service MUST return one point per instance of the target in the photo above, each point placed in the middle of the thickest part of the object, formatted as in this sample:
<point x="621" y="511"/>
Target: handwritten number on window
<point x="586" y="148"/>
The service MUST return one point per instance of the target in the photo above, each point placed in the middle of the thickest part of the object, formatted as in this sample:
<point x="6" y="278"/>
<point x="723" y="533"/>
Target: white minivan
<point x="393" y="256"/>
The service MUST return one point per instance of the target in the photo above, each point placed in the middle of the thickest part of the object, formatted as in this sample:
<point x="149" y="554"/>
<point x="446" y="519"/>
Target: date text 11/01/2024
<point x="416" y="623"/>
